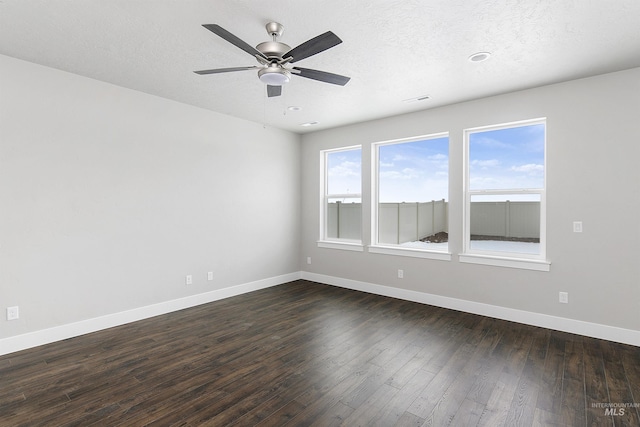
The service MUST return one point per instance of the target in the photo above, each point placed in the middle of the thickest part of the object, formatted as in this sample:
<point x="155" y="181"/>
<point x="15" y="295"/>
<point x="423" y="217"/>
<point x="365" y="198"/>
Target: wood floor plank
<point x="435" y="391"/>
<point x="334" y="416"/>
<point x="497" y="408"/>
<point x="550" y="397"/>
<point x="280" y="417"/>
<point x="319" y="406"/>
<point x="488" y="371"/>
<point x="523" y="405"/>
<point x="368" y="411"/>
<point x="409" y="420"/>
<point x="542" y="418"/>
<point x="395" y="408"/>
<point x="596" y="392"/>
<point x="631" y="366"/>
<point x="468" y="414"/>
<point x="620" y="394"/>
<point x="303" y="353"/>
<point x="451" y="400"/>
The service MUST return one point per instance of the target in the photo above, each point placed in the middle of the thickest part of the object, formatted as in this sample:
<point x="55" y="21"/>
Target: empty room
<point x="296" y="213"/>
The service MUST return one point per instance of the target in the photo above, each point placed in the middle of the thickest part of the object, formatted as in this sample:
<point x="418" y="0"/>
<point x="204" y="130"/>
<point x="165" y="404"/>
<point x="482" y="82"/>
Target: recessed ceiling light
<point x="479" y="56"/>
<point x="294" y="108"/>
<point x="417" y="98"/>
<point x="309" y="124"/>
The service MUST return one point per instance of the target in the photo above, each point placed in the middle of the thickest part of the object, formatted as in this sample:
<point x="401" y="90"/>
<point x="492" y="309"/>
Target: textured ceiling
<point x="393" y="50"/>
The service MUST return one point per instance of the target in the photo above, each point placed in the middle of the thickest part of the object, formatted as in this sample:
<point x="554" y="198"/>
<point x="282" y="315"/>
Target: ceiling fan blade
<point x="311" y="47"/>
<point x="274" y="91"/>
<point x="322" y="76"/>
<point x="218" y="30"/>
<point x="225" y="70"/>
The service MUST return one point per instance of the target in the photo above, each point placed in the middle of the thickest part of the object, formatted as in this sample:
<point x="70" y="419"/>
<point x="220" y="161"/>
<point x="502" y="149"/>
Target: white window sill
<point x="342" y="245"/>
<point x="521" y="263"/>
<point x="410" y="252"/>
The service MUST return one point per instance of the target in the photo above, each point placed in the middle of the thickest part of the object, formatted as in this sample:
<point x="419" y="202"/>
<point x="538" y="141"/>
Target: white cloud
<point x="400" y="158"/>
<point x="530" y="168"/>
<point x="489" y="142"/>
<point x="438" y="156"/>
<point x="483" y="182"/>
<point x="485" y="164"/>
<point x="390" y="174"/>
<point x="345" y="168"/>
<point x="406" y="173"/>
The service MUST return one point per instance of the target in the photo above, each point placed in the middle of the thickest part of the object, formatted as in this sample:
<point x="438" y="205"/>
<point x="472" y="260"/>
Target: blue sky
<point x="415" y="171"/>
<point x="409" y="172"/>
<point x="344" y="170"/>
<point x="418" y="171"/>
<point x="507" y="158"/>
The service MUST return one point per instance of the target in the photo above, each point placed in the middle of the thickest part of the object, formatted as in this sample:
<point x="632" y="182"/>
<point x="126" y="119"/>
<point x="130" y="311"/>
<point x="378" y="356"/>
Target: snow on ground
<point x="443" y="247"/>
<point x="481" y="245"/>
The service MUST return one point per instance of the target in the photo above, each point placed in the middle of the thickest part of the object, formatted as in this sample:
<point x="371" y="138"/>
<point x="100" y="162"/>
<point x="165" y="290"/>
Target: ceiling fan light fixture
<point x="274" y="75"/>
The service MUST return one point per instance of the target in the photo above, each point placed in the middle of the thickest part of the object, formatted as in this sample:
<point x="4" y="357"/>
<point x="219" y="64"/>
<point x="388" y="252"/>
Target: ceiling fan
<point x="274" y="56"/>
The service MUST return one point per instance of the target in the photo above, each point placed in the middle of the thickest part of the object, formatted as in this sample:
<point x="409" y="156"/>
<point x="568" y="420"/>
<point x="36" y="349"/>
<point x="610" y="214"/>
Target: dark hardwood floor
<point x="304" y="354"/>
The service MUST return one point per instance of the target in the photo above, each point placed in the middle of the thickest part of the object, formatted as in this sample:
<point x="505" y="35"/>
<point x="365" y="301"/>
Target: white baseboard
<point x="595" y="330"/>
<point x="58" y="333"/>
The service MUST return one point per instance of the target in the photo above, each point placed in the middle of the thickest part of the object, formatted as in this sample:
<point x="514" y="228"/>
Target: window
<point x="341" y="215"/>
<point x="411" y="188"/>
<point x="505" y="191"/>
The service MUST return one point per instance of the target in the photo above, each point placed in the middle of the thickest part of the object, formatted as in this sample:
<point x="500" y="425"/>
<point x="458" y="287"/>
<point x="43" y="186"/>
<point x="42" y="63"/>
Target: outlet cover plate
<point x="13" y="313"/>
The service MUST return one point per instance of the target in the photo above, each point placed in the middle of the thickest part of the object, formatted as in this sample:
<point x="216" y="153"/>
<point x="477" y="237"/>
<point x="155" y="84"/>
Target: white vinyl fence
<point x="407" y="222"/>
<point x="344" y="220"/>
<point x="506" y="219"/>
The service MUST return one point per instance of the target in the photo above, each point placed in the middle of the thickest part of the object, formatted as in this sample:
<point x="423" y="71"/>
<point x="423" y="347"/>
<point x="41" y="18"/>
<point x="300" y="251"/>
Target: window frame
<point x="503" y="258"/>
<point x="389" y="249"/>
<point x="324" y="241"/>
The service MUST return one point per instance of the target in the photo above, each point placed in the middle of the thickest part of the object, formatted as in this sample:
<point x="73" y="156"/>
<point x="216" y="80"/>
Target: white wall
<point x="109" y="197"/>
<point x="593" y="151"/>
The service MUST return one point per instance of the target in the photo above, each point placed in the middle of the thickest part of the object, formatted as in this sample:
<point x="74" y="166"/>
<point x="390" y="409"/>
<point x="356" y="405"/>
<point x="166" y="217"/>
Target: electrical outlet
<point x="210" y="275"/>
<point x="577" y="226"/>
<point x="308" y="260"/>
<point x="189" y="279"/>
<point x="400" y="274"/>
<point x="13" y="313"/>
<point x="563" y="297"/>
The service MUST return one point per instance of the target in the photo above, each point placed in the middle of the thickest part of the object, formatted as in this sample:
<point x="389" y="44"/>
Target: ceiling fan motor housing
<point x="273" y="49"/>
